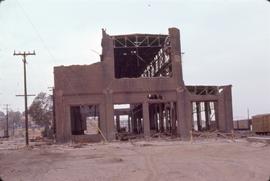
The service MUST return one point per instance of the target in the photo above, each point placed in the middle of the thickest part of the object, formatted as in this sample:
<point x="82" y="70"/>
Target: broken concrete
<point x="143" y="71"/>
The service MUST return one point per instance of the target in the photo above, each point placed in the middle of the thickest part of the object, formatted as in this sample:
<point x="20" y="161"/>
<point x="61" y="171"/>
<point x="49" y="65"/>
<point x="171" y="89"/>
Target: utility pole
<point x="13" y="128"/>
<point x="24" y="55"/>
<point x="249" y="121"/>
<point x="6" y="131"/>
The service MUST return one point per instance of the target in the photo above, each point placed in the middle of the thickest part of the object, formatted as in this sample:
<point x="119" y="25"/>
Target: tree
<point x="2" y="116"/>
<point x="2" y="120"/>
<point x="15" y="118"/>
<point x="41" y="111"/>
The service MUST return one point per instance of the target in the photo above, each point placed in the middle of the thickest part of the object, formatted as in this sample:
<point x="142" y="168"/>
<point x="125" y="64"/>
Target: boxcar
<point x="261" y="123"/>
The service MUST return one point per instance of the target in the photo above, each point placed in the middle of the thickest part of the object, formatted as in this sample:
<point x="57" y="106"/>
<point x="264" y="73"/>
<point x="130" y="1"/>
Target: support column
<point x="184" y="114"/>
<point x="228" y="108"/>
<point x="172" y="118"/>
<point x="176" y="56"/>
<point x="109" y="115"/>
<point x="129" y="125"/>
<point x="102" y="119"/>
<point x="199" y="119"/>
<point x="117" y="123"/>
<point x="156" y="116"/>
<point x="207" y="115"/>
<point x="133" y="125"/>
<point x="60" y="116"/>
<point x="151" y="117"/>
<point x="225" y="115"/>
<point x="161" y="117"/>
<point x="221" y="115"/>
<point x="216" y="115"/>
<point x="140" y="129"/>
<point x="146" y="122"/>
<point x="167" y="119"/>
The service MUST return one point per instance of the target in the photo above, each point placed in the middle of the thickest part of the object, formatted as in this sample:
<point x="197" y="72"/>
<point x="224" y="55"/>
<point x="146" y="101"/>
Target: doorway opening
<point x="128" y="120"/>
<point x="204" y="116"/>
<point x="163" y="118"/>
<point x="85" y="119"/>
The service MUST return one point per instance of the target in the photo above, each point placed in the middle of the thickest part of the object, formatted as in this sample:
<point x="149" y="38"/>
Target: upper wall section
<point x="80" y="79"/>
<point x="123" y="55"/>
<point x="144" y="55"/>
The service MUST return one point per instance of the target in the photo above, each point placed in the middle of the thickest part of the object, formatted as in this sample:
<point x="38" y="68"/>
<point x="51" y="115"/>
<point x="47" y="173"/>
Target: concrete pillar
<point x="172" y="118"/>
<point x="132" y="122"/>
<point x="151" y="116"/>
<point x="139" y="125"/>
<point x="228" y="108"/>
<point x="102" y="119"/>
<point x="199" y="119"/>
<point x="207" y="114"/>
<point x="225" y="114"/>
<point x="135" y="123"/>
<point x="221" y="114"/>
<point x="62" y="118"/>
<point x="156" y="117"/>
<point x="108" y="75"/>
<point x="176" y="56"/>
<point x="108" y="58"/>
<point x="109" y="113"/>
<point x="146" y="122"/>
<point x="167" y="122"/>
<point x="216" y="114"/>
<point x="184" y="114"/>
<point x="117" y="123"/>
<point x="67" y="123"/>
<point x="129" y="123"/>
<point x="189" y="110"/>
<point x="161" y="117"/>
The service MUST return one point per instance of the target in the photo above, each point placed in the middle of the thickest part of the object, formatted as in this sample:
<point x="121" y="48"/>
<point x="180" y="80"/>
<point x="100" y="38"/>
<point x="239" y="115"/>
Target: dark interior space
<point x="141" y="56"/>
<point x="84" y="119"/>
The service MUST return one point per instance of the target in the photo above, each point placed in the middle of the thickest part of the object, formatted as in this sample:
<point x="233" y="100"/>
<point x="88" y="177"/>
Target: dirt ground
<point x="209" y="160"/>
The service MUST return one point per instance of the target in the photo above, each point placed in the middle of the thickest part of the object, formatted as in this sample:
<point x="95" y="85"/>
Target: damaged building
<point x="136" y="88"/>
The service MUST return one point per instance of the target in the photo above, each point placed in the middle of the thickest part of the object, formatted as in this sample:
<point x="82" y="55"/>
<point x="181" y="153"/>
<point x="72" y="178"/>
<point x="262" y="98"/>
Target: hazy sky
<point x="225" y="41"/>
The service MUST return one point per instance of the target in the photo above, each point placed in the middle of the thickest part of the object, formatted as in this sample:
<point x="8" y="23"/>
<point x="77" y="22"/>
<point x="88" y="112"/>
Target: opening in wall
<point x="142" y="56"/>
<point x="128" y="119"/>
<point x="163" y="118"/>
<point x="84" y="119"/>
<point x="204" y="116"/>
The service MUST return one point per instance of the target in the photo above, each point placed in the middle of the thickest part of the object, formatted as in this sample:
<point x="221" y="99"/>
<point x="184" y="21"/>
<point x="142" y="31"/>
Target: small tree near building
<point x="2" y="123"/>
<point x="41" y="111"/>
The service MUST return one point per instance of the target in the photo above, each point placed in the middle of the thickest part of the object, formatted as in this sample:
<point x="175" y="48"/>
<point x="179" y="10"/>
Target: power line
<point x="24" y="55"/>
<point x="36" y="30"/>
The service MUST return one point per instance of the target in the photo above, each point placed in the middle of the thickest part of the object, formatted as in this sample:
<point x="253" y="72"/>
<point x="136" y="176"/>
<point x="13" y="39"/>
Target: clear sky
<point x="224" y="41"/>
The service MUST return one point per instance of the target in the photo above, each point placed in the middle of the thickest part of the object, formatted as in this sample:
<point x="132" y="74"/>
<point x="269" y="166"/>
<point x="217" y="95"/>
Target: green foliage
<point x="41" y="111"/>
<point x="2" y="120"/>
<point x="2" y="115"/>
<point x="15" y="117"/>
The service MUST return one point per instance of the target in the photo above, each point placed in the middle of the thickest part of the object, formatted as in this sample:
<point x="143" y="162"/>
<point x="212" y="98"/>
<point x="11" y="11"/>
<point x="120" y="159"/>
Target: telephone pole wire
<point x="24" y="55"/>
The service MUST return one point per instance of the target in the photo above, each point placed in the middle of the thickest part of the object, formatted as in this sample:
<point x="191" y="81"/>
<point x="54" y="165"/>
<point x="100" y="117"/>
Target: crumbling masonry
<point x="136" y="88"/>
